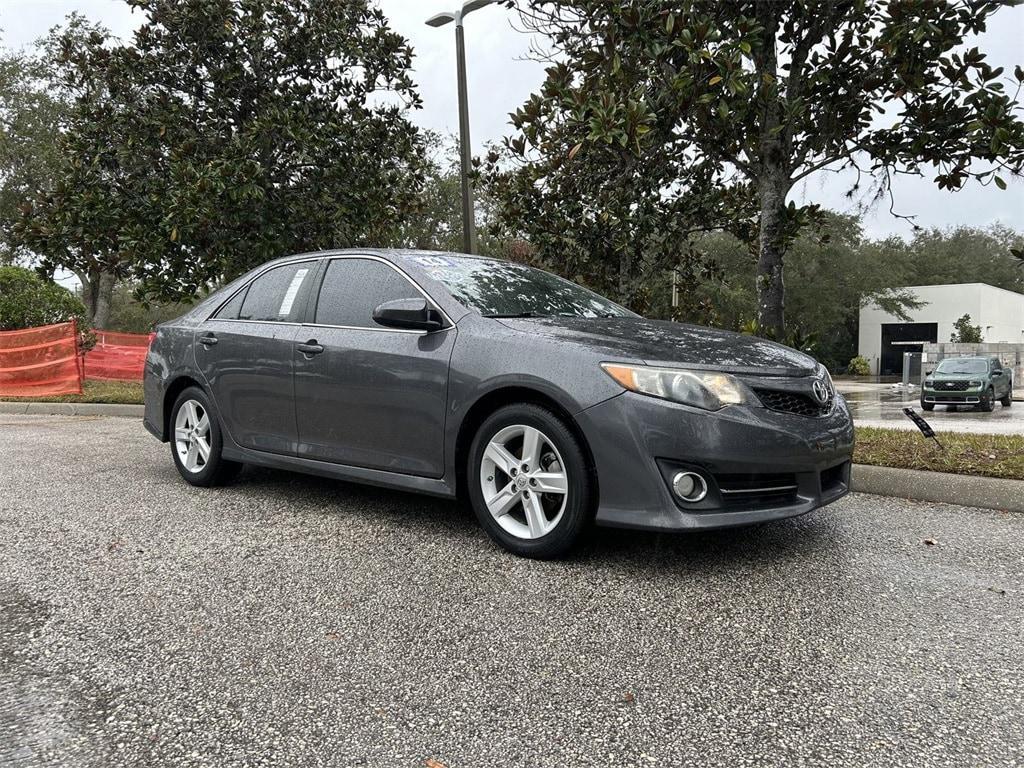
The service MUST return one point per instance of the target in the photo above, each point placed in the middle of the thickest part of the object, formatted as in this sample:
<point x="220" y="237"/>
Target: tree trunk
<point x="771" y="288"/>
<point x="97" y="293"/>
<point x="772" y="186"/>
<point x="104" y="295"/>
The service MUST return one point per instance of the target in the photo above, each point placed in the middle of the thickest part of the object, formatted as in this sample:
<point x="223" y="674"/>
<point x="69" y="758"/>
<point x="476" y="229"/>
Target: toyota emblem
<point x="820" y="390"/>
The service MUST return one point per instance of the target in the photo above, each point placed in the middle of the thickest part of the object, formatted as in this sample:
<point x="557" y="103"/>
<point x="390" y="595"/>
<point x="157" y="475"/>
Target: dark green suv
<point x="975" y="381"/>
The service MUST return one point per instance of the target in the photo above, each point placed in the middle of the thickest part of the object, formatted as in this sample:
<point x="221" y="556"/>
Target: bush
<point x="27" y="301"/>
<point x="859" y="366"/>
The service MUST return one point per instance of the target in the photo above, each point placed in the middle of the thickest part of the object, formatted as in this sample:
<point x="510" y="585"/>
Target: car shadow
<point x="811" y="536"/>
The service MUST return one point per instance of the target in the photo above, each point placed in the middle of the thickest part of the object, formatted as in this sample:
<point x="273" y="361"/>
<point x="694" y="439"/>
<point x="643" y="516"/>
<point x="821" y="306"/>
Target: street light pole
<point x="466" y="152"/>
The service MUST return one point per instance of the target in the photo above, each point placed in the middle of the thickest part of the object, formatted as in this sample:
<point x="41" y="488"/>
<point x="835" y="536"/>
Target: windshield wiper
<point x="499" y="316"/>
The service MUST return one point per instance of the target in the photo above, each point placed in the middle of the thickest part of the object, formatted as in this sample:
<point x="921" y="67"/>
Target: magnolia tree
<point x="662" y="118"/>
<point x="224" y="134"/>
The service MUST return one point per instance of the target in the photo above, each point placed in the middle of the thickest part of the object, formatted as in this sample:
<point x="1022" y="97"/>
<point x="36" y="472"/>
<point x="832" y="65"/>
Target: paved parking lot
<point x="295" y="621"/>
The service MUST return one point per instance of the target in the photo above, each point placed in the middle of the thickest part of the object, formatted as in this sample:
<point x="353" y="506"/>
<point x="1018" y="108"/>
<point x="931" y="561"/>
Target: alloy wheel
<point x="192" y="436"/>
<point x="524" y="481"/>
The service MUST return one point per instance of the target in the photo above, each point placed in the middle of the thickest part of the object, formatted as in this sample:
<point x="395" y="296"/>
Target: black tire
<point x="927" y="406"/>
<point x="216" y="470"/>
<point x="1007" y="401"/>
<point x="987" y="401"/>
<point x="579" y="482"/>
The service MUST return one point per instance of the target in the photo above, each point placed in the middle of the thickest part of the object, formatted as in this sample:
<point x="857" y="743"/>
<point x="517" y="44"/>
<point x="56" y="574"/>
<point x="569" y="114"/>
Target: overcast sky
<point x="501" y="78"/>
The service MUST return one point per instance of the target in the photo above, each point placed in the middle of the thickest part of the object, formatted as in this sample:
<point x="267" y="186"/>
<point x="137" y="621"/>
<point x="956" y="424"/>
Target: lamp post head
<point x="449" y="16"/>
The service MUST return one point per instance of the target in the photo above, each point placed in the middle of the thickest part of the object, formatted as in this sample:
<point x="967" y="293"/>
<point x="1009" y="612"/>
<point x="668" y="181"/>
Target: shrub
<point x="27" y="301"/>
<point x="859" y="366"/>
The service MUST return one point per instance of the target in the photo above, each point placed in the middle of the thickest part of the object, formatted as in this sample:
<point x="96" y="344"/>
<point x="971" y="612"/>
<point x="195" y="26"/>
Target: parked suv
<point x="977" y="381"/>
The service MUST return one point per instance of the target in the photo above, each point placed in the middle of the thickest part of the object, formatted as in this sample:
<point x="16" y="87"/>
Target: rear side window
<point x="353" y="288"/>
<point x="277" y="295"/>
<point x="230" y="310"/>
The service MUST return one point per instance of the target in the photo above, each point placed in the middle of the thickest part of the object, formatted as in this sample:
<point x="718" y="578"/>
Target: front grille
<point x="793" y="402"/>
<point x="952" y="386"/>
<point x="757" y="489"/>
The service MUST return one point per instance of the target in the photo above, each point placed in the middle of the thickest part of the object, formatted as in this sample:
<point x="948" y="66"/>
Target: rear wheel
<point x="196" y="441"/>
<point x="529" y="482"/>
<point x="987" y="401"/>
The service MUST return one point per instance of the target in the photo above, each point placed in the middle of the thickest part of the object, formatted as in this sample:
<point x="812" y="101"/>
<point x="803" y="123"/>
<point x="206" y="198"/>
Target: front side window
<point x="962" y="366"/>
<point x="353" y="288"/>
<point x="278" y="295"/>
<point x="497" y="288"/>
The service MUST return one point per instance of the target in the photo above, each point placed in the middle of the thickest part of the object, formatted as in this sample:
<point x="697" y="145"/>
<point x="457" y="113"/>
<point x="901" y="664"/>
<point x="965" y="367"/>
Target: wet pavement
<point x="881" y="405"/>
<point x="289" y="621"/>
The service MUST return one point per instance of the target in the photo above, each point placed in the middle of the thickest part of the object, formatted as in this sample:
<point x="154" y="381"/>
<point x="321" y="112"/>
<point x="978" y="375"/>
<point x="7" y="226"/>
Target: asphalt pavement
<point x="292" y="621"/>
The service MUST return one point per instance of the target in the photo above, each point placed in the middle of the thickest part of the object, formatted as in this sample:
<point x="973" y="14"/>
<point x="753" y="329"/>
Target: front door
<point x="245" y="353"/>
<point x="366" y="395"/>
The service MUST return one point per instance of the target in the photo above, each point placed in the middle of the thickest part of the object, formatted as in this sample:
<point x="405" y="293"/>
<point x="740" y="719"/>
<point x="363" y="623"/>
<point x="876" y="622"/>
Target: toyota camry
<point x="543" y="405"/>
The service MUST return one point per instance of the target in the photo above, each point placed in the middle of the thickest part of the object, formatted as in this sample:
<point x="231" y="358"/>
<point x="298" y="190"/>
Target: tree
<point x="74" y="216"/>
<point x="30" y="117"/>
<point x="964" y="332"/>
<point x="834" y="271"/>
<point x="28" y="300"/>
<point x="232" y="132"/>
<point x="753" y="96"/>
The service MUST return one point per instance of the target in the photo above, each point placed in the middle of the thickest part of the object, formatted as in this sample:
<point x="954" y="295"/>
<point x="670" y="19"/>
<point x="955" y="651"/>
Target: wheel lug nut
<point x="514" y="471"/>
<point x="526" y="467"/>
<point x="533" y="481"/>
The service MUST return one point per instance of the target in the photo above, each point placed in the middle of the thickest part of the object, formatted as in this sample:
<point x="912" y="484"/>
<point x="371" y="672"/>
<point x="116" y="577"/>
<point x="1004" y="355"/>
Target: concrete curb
<point x="941" y="487"/>
<point x="73" y="409"/>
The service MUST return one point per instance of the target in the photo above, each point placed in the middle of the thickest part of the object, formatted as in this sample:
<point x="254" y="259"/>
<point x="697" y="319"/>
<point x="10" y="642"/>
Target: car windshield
<point x="962" y="366"/>
<point x="506" y="289"/>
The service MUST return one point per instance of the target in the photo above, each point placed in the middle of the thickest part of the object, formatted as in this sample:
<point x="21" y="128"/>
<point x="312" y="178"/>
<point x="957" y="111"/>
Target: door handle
<point x="208" y="340"/>
<point x="310" y="348"/>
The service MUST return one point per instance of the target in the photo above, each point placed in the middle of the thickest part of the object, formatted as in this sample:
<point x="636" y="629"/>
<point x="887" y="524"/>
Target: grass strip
<point x="965" y="454"/>
<point x="129" y="392"/>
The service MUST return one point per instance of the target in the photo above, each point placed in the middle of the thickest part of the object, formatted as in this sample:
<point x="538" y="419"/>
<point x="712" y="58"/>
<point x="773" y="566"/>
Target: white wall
<point x="1000" y="314"/>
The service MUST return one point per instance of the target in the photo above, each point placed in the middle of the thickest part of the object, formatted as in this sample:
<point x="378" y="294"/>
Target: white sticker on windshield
<point x="291" y="293"/>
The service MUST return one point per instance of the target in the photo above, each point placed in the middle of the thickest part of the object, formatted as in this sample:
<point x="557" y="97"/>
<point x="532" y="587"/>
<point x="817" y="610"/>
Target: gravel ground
<point x="296" y="621"/>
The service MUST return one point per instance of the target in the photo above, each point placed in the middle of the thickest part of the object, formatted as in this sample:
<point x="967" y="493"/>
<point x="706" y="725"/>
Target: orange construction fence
<point x="38" y="362"/>
<point x="120" y="356"/>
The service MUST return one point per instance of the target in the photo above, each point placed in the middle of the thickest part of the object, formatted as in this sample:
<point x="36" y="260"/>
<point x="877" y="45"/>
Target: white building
<point x="884" y="338"/>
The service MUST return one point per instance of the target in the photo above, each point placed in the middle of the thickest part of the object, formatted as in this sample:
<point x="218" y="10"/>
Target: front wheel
<point x="529" y="481"/>
<point x="927" y="406"/>
<point x="987" y="401"/>
<point x="196" y="441"/>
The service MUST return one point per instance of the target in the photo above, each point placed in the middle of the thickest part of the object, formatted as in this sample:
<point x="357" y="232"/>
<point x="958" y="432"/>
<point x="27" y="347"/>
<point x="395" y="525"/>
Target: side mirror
<point x="928" y="373"/>
<point x="412" y="314"/>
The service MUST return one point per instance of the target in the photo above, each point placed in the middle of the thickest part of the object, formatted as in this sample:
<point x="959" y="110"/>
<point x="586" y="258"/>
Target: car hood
<point x="659" y="342"/>
<point x="958" y="376"/>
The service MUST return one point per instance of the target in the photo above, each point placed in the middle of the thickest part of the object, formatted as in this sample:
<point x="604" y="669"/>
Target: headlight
<point x="974" y="384"/>
<point x="929" y="382"/>
<point x="703" y="389"/>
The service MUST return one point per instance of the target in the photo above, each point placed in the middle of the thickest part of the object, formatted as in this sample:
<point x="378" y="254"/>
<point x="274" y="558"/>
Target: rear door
<point x="373" y="397"/>
<point x="245" y="354"/>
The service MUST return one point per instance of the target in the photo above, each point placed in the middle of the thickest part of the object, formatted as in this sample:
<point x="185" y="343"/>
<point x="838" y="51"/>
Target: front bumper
<point x="951" y="397"/>
<point x="759" y="464"/>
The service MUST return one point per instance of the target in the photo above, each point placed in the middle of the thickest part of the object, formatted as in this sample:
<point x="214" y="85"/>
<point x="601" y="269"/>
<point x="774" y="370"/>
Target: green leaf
<point x="999" y="182"/>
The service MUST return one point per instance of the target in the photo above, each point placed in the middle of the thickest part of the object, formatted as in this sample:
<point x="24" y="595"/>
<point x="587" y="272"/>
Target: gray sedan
<point x="542" y="404"/>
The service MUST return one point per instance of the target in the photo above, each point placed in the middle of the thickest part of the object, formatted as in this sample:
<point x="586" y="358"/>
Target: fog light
<point x="689" y="486"/>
